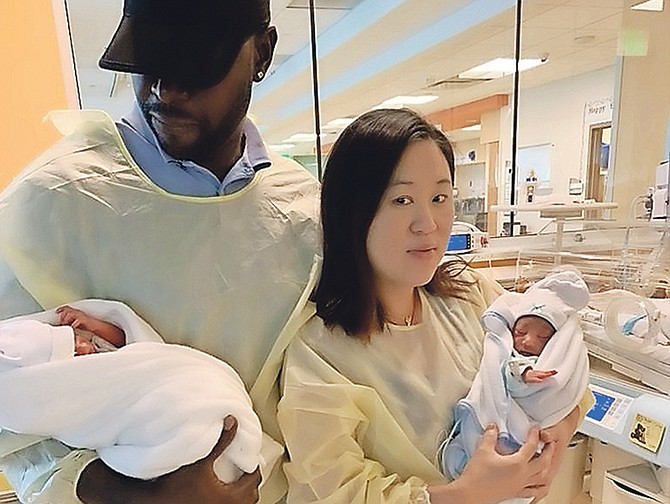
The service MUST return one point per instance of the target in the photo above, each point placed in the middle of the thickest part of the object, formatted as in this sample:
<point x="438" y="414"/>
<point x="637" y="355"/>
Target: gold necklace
<point x="409" y="320"/>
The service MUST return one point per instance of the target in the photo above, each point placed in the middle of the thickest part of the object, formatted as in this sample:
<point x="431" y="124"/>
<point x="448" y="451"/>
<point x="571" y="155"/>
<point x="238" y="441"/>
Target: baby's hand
<point x="78" y="319"/>
<point x="537" y="376"/>
<point x="71" y="317"/>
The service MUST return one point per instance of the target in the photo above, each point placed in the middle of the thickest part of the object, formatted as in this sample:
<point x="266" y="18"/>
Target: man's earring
<point x="260" y="74"/>
<point x="156" y="88"/>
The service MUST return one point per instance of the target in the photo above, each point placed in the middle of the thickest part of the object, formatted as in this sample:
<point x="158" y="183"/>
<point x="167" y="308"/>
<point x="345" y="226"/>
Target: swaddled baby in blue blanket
<point x="534" y="368"/>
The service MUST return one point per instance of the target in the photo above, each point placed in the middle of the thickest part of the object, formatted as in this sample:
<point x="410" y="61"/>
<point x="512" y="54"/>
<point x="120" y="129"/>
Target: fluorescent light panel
<point x="649" y="5"/>
<point x="340" y="122"/>
<point x="402" y="100"/>
<point x="474" y="127"/>
<point x="282" y="147"/>
<point x="499" y="67"/>
<point x="301" y="137"/>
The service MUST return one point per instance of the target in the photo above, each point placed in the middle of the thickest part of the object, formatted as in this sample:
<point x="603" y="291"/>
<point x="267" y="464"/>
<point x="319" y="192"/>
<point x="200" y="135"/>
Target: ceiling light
<point x="649" y="5"/>
<point x="474" y="127"/>
<point x="584" y="39"/>
<point x="500" y="67"/>
<point x="301" y="137"/>
<point x="340" y="122"/>
<point x="402" y="101"/>
<point x="281" y="147"/>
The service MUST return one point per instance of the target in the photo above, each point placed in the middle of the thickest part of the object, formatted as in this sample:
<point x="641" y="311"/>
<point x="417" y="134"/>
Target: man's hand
<point x="194" y="483"/>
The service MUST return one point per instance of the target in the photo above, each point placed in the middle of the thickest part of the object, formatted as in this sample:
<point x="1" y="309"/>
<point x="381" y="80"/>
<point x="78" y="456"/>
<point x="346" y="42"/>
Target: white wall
<point x="555" y="114"/>
<point x="643" y="112"/>
<point x="470" y="176"/>
<point x="462" y="148"/>
<point x="471" y="180"/>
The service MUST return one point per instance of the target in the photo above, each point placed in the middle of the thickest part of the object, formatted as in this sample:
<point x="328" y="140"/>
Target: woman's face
<point x="409" y="233"/>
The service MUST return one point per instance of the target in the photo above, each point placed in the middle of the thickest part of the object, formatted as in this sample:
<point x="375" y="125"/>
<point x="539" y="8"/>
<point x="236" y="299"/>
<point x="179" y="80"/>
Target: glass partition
<point x="593" y="139"/>
<point x="413" y="53"/>
<point x="91" y="27"/>
<point x="566" y="108"/>
<point x="282" y="99"/>
<point x="592" y="109"/>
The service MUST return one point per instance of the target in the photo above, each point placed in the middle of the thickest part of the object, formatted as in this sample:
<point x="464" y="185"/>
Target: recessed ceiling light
<point x="474" y="127"/>
<point x="649" y="5"/>
<point x="584" y="39"/>
<point x="281" y="147"/>
<point x="340" y="122"/>
<point x="301" y="137"/>
<point x="404" y="100"/>
<point x="500" y="67"/>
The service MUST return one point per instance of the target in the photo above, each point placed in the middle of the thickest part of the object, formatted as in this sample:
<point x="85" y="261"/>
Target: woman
<point x="370" y="382"/>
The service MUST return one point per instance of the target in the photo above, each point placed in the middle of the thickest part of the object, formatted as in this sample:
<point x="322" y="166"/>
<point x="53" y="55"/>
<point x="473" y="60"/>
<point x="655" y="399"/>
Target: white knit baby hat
<point x="554" y="298"/>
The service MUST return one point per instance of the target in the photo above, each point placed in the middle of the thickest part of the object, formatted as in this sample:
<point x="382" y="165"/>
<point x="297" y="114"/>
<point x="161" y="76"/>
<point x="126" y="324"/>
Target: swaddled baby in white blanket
<point x="147" y="409"/>
<point x="534" y="368"/>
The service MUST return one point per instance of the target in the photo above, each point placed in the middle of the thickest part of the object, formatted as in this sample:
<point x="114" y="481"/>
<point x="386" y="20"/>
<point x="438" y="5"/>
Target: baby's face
<point x="83" y="346"/>
<point x="530" y="335"/>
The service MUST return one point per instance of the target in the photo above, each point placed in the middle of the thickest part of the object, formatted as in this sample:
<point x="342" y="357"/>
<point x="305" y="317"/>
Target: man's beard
<point x="208" y="139"/>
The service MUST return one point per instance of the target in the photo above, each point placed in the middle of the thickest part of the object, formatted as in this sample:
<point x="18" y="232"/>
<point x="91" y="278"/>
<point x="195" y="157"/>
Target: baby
<point x="147" y="409"/>
<point x="91" y="335"/>
<point x="29" y="342"/>
<point x="530" y="335"/>
<point x="539" y="328"/>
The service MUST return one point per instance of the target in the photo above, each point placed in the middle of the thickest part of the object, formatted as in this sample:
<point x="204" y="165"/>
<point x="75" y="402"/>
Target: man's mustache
<point x="164" y="110"/>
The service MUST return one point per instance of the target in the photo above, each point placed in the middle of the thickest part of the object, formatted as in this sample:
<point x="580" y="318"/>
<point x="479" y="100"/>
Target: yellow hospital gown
<point x="220" y="274"/>
<point x="363" y="421"/>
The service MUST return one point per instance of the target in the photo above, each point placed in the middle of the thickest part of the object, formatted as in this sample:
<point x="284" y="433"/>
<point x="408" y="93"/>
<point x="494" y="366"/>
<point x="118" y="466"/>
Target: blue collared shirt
<point x="185" y="177"/>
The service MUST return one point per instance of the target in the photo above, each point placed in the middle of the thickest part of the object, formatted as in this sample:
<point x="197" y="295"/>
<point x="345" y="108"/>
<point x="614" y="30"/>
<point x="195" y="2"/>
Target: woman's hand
<point x="490" y="477"/>
<point x="191" y="483"/>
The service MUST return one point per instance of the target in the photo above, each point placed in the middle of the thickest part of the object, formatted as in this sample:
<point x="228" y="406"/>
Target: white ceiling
<point x="372" y="50"/>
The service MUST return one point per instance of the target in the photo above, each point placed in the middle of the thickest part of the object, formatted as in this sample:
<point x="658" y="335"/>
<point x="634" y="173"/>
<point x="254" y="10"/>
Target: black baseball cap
<point x="191" y="42"/>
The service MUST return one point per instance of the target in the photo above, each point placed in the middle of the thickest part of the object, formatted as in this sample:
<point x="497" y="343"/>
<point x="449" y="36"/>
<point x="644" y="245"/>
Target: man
<point x="179" y="211"/>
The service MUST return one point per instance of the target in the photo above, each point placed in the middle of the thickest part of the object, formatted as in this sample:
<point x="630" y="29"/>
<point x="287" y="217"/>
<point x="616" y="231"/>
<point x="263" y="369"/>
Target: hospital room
<point x="558" y="116"/>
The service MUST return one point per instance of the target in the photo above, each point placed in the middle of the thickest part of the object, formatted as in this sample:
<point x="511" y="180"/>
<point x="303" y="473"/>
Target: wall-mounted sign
<point x="598" y="111"/>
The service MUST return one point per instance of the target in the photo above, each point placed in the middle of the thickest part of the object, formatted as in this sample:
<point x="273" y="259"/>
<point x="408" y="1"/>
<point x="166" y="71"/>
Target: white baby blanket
<point x="490" y="402"/>
<point x="147" y="409"/>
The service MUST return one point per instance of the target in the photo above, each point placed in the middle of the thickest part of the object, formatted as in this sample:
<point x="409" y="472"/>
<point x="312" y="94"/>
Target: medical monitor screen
<point x="460" y="242"/>
<point x="601" y="407"/>
<point x="610" y="409"/>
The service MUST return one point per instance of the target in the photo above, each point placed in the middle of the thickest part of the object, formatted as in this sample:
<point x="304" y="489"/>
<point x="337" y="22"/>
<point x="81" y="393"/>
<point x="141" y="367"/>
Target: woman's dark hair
<point x="357" y="174"/>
